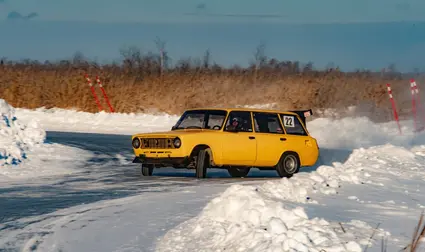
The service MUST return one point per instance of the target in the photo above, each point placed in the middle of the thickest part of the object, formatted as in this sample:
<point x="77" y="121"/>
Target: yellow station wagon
<point x="233" y="139"/>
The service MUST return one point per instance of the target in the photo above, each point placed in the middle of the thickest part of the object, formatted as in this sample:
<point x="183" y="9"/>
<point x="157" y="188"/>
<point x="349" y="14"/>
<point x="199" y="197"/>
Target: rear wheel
<point x="238" y="172"/>
<point x="147" y="170"/>
<point x="202" y="163"/>
<point x="288" y="165"/>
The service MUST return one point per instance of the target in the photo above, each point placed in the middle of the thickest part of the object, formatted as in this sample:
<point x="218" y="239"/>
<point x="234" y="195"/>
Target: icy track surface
<point x="368" y="182"/>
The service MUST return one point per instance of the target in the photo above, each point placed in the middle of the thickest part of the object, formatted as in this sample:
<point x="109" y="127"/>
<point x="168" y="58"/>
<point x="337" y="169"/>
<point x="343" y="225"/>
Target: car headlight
<point x="136" y="143"/>
<point x="177" y="142"/>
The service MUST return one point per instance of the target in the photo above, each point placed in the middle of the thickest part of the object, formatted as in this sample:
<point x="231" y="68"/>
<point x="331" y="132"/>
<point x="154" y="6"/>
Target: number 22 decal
<point x="288" y="121"/>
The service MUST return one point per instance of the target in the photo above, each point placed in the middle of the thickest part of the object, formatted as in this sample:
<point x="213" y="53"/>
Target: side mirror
<point x="173" y="128"/>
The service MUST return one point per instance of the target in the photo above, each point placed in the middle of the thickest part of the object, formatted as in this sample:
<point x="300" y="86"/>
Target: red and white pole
<point x="93" y="92"/>
<point x="104" y="94"/>
<point x="390" y="94"/>
<point x="413" y="92"/>
<point x="416" y="102"/>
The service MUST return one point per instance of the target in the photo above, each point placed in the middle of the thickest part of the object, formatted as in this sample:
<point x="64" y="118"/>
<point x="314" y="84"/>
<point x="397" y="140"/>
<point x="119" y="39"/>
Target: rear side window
<point x="292" y="125"/>
<point x="267" y="123"/>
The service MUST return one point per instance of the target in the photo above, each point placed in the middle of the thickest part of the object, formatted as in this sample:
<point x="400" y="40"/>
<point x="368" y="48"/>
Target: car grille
<point x="156" y="143"/>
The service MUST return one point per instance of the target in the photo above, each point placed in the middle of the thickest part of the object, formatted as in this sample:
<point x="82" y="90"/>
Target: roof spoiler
<point x="303" y="114"/>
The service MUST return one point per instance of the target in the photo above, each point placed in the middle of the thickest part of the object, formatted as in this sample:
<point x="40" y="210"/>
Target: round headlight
<point x="136" y="143"/>
<point x="176" y="142"/>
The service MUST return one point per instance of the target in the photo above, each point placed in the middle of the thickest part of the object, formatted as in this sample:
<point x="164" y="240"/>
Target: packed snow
<point x="366" y="186"/>
<point x="24" y="152"/>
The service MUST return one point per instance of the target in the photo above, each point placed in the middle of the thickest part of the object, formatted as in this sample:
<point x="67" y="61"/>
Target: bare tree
<point x="260" y="57"/>
<point x="207" y="59"/>
<point x="160" y="45"/>
<point x="132" y="57"/>
<point x="78" y="58"/>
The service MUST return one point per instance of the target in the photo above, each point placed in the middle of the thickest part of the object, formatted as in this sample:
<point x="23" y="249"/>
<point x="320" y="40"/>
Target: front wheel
<point x="288" y="165"/>
<point x="238" y="172"/>
<point x="147" y="170"/>
<point x="202" y="163"/>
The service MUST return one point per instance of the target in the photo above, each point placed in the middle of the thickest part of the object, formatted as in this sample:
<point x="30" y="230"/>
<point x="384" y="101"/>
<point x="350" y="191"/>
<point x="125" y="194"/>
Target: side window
<point x="292" y="125"/>
<point x="267" y="123"/>
<point x="216" y="119"/>
<point x="239" y="120"/>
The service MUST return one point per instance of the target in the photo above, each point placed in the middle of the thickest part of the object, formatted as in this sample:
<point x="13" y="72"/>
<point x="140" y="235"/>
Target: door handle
<point x="282" y="139"/>
<point x="251" y="137"/>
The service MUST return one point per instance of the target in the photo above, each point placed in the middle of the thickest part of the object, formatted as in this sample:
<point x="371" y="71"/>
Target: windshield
<point x="201" y="119"/>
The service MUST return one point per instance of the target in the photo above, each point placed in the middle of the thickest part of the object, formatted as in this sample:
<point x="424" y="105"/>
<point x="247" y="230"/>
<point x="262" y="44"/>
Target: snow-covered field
<point x="368" y="185"/>
<point x="75" y="121"/>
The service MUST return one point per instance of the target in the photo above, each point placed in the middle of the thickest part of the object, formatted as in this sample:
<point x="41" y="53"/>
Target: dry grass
<point x="141" y="84"/>
<point x="418" y="236"/>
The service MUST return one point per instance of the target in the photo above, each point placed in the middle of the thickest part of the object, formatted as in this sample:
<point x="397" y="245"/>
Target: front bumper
<point x="143" y="159"/>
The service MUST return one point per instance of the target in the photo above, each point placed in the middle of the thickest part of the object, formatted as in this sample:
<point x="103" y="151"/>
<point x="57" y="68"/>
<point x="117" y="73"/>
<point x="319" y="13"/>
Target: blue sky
<point x="240" y="25"/>
<point x="300" y="11"/>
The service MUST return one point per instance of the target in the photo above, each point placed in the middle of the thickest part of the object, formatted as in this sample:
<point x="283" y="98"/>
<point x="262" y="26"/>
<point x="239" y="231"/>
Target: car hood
<point x="172" y="133"/>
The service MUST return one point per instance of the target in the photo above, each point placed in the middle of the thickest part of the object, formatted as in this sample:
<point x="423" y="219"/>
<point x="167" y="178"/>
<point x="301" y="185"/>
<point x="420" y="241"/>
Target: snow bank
<point x="102" y="122"/>
<point x="16" y="139"/>
<point x="23" y="152"/>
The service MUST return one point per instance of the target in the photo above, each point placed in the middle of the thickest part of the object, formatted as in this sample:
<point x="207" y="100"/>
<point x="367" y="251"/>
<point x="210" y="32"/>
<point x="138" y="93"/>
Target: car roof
<point x="244" y="109"/>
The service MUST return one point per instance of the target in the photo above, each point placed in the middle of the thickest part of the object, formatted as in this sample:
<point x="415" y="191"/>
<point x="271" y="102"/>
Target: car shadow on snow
<point x="327" y="157"/>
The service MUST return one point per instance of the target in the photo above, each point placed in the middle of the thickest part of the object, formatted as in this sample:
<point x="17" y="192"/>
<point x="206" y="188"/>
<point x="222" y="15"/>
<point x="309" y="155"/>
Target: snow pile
<point x="244" y="219"/>
<point x="16" y="139"/>
<point x="23" y="153"/>
<point x="302" y="187"/>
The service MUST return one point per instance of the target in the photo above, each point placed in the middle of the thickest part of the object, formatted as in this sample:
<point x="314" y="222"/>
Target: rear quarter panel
<point x="306" y="147"/>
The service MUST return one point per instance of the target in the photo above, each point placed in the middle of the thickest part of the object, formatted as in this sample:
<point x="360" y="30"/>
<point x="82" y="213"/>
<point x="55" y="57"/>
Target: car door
<point x="239" y="147"/>
<point x="271" y="140"/>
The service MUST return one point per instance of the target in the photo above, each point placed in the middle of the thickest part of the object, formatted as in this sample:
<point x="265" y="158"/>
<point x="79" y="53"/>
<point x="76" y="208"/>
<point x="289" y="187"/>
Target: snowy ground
<point x="74" y="121"/>
<point x="367" y="175"/>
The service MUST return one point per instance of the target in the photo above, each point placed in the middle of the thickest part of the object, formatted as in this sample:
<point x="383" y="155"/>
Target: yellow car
<point x="235" y="139"/>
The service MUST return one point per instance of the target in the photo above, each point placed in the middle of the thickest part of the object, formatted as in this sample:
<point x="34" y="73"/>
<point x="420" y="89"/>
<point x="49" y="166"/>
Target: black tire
<point x="238" y="172"/>
<point x="147" y="170"/>
<point x="202" y="163"/>
<point x="288" y="165"/>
